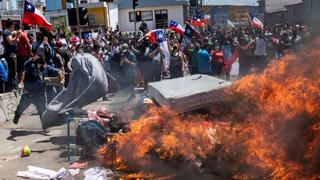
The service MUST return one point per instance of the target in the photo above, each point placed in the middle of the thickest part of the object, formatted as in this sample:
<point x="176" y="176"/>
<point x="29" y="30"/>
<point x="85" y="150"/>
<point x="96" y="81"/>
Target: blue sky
<point x="233" y="2"/>
<point x="14" y="3"/>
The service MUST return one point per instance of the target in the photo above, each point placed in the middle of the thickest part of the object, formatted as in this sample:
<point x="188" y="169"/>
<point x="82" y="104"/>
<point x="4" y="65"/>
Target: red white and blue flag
<point x="255" y="22"/>
<point x="190" y="32"/>
<point x="174" y="26"/>
<point x="196" y="22"/>
<point x="188" y="35"/>
<point x="32" y="15"/>
<point x="200" y="20"/>
<point x="157" y="36"/>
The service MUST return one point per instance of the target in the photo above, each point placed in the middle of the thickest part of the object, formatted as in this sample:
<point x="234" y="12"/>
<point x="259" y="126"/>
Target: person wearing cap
<point x="127" y="64"/>
<point x="34" y="88"/>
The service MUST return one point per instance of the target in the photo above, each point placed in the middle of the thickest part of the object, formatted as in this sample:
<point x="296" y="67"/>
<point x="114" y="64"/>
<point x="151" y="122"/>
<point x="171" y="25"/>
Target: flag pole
<point x="22" y="14"/>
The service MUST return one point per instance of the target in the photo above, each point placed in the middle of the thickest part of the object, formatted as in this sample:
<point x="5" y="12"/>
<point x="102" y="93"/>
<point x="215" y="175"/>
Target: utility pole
<point x="135" y="21"/>
<point x="76" y="4"/>
<point x="135" y="3"/>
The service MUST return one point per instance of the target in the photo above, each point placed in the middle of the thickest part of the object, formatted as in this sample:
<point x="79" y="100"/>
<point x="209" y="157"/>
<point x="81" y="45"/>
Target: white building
<point x="157" y="14"/>
<point x="279" y="5"/>
<point x="6" y="5"/>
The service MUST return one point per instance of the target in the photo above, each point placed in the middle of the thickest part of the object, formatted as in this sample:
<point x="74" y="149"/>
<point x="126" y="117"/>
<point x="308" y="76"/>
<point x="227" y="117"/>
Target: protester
<point x="195" y="59"/>
<point x="132" y="59"/>
<point x="176" y="62"/>
<point x="260" y="51"/>
<point x="218" y="61"/>
<point x="204" y="66"/>
<point x="3" y="75"/>
<point x="34" y="88"/>
<point x="127" y="63"/>
<point x="156" y="57"/>
<point x="24" y="52"/>
<point x="10" y="39"/>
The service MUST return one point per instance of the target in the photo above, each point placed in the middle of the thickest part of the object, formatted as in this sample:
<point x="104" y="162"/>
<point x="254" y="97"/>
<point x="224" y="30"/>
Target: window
<point x="145" y="16"/>
<point x="161" y="18"/>
<point x="92" y="19"/>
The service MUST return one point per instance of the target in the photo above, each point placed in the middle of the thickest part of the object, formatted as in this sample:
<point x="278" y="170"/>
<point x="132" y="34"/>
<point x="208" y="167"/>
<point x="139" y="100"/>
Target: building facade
<point x="157" y="14"/>
<point x="99" y="13"/>
<point x="119" y="14"/>
<point x="277" y="17"/>
<point x="237" y="14"/>
<point x="295" y="13"/>
<point x="56" y="12"/>
<point x="38" y="3"/>
<point x="311" y="11"/>
<point x="291" y="14"/>
<point x="219" y="15"/>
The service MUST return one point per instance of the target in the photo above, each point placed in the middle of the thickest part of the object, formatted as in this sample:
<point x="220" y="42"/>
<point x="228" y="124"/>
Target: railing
<point x="11" y="12"/>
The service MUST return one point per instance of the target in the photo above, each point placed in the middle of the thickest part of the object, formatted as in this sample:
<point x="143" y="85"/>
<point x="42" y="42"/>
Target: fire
<point x="268" y="128"/>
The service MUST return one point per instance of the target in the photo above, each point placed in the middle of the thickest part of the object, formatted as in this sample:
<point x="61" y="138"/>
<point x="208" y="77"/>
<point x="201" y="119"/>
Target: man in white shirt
<point x="260" y="52"/>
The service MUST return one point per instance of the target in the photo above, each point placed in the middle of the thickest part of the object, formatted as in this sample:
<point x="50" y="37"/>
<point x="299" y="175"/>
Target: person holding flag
<point x="157" y="36"/>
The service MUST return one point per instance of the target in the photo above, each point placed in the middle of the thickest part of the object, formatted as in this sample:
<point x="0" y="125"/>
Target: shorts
<point x="21" y="60"/>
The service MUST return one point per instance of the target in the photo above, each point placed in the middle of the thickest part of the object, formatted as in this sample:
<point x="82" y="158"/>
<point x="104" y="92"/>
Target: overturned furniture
<point x="188" y="93"/>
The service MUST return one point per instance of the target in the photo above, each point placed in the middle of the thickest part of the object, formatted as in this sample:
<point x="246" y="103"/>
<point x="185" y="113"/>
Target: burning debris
<point x="269" y="130"/>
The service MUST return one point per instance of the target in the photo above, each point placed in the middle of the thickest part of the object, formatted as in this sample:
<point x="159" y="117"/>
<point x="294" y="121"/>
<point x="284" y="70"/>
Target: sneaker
<point x="15" y="120"/>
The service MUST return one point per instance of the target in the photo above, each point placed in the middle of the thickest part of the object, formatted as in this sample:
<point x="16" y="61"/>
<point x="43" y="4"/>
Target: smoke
<point x="268" y="127"/>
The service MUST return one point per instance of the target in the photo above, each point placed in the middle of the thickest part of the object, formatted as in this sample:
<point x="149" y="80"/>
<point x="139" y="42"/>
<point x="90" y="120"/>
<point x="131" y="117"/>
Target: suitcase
<point x="188" y="93"/>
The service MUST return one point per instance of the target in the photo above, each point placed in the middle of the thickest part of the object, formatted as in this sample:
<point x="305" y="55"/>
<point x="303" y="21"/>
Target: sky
<point x="233" y="2"/>
<point x="14" y="3"/>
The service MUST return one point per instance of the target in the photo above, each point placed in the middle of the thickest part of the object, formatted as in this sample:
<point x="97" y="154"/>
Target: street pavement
<point x="48" y="150"/>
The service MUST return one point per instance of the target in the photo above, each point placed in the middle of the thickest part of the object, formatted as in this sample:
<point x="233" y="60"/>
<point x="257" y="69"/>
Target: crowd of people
<point x="130" y="60"/>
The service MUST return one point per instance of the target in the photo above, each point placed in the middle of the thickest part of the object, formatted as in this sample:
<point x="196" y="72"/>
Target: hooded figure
<point x="88" y="82"/>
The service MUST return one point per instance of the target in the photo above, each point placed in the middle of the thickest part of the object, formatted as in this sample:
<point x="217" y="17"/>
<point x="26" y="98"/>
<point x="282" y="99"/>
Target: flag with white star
<point x="32" y="15"/>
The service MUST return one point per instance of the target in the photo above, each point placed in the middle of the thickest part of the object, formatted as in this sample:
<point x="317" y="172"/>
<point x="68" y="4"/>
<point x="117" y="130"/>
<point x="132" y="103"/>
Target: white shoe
<point x="21" y="86"/>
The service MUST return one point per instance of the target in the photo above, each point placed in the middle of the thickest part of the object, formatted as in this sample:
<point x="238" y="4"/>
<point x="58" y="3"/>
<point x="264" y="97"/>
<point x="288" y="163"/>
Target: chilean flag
<point x="196" y="22"/>
<point x="174" y="26"/>
<point x="255" y="22"/>
<point x="32" y="15"/>
<point x="157" y="36"/>
<point x="188" y="35"/>
<point x="190" y="32"/>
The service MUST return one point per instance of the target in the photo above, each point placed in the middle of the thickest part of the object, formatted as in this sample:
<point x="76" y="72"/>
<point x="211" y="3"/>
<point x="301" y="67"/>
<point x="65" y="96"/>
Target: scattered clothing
<point x="98" y="173"/>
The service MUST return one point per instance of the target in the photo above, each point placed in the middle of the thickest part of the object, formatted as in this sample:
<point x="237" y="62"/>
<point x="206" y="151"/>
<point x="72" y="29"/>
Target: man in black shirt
<point x="10" y="41"/>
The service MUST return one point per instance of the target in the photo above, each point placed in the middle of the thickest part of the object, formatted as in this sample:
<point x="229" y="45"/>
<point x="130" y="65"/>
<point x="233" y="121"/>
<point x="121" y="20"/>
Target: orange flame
<point x="268" y="128"/>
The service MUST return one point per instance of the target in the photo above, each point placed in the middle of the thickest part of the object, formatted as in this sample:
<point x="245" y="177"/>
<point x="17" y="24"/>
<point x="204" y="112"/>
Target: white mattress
<point x="187" y="93"/>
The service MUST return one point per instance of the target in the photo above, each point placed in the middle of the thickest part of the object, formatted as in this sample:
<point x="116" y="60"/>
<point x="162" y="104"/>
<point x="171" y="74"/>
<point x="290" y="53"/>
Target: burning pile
<point x="269" y="128"/>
